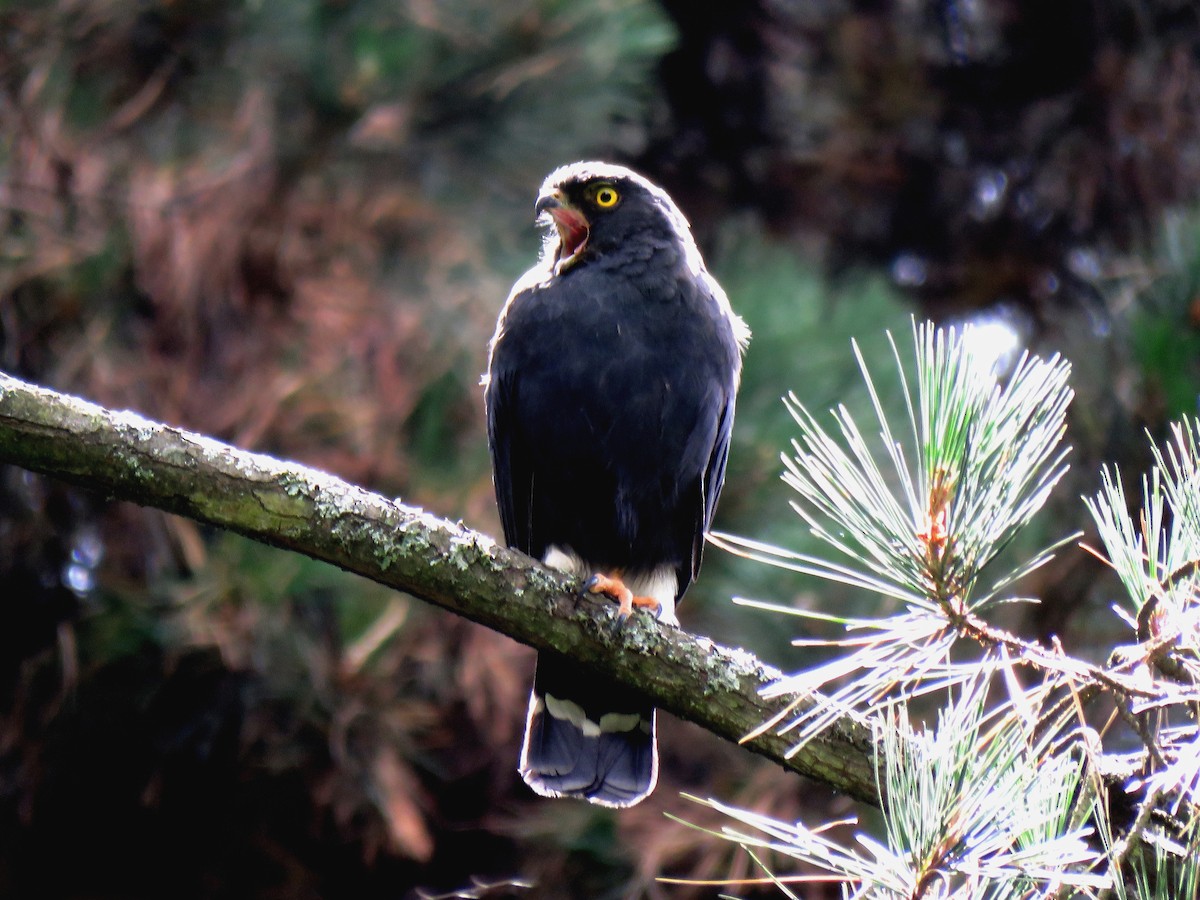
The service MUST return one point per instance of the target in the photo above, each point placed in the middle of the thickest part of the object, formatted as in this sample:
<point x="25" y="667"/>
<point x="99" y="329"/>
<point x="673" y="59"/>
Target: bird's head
<point x="596" y="208"/>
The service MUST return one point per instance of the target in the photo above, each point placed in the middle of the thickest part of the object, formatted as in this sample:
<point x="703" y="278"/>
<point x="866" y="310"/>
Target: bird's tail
<point x="587" y="738"/>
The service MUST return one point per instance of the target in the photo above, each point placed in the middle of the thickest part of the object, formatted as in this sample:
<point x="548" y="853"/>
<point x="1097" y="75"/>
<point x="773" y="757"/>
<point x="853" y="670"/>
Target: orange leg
<point x="612" y="586"/>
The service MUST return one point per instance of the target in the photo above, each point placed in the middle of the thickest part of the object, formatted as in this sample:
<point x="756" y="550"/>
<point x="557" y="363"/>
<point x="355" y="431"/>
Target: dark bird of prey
<point x="610" y="393"/>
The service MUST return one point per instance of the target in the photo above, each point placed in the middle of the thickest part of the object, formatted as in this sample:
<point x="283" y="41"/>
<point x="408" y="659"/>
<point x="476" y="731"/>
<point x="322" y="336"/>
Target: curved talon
<point x="612" y="586"/>
<point x="590" y="586"/>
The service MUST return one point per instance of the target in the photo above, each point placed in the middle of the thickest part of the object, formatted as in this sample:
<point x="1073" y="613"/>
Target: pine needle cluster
<point x="1010" y="791"/>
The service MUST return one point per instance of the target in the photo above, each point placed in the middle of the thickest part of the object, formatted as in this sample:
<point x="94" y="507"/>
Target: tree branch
<point x="301" y="509"/>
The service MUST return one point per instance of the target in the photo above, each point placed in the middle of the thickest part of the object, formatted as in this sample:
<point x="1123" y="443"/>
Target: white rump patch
<point x="566" y="561"/>
<point x="660" y="584"/>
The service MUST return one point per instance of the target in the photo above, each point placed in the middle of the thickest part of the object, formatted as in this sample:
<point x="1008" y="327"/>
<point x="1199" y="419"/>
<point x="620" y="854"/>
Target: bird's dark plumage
<point x="610" y="396"/>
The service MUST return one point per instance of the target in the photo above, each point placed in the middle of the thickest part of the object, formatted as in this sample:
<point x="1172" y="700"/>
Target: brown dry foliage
<point x="196" y="231"/>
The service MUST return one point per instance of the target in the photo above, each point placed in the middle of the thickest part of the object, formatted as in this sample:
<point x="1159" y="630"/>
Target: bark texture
<point x="287" y="505"/>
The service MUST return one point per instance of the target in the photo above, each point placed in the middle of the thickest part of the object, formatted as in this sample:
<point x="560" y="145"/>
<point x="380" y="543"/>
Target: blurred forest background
<point x="290" y="224"/>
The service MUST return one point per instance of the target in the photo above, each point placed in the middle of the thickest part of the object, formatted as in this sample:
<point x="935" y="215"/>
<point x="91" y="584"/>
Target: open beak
<point x="571" y="225"/>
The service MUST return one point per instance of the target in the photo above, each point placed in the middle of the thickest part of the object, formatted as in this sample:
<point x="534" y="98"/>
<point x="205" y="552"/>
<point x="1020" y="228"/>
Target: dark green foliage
<point x="291" y="224"/>
<point x="802" y="328"/>
<point x="984" y="152"/>
<point x="1166" y="325"/>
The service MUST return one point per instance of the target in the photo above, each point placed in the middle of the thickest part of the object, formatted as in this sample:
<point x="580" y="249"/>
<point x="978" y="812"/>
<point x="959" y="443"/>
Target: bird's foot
<point x="612" y="586"/>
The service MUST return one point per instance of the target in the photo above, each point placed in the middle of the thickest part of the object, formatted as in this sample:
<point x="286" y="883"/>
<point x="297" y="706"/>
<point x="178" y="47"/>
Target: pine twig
<point x="444" y="563"/>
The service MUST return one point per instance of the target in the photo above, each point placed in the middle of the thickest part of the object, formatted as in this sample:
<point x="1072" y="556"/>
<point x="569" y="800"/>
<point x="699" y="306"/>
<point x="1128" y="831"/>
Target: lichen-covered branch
<point x="291" y="506"/>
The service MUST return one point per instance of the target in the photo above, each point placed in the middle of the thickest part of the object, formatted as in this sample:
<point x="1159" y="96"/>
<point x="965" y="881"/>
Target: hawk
<point x="610" y="398"/>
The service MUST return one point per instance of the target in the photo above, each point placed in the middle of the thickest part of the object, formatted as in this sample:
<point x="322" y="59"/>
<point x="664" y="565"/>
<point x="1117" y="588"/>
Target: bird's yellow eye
<point x="606" y="196"/>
